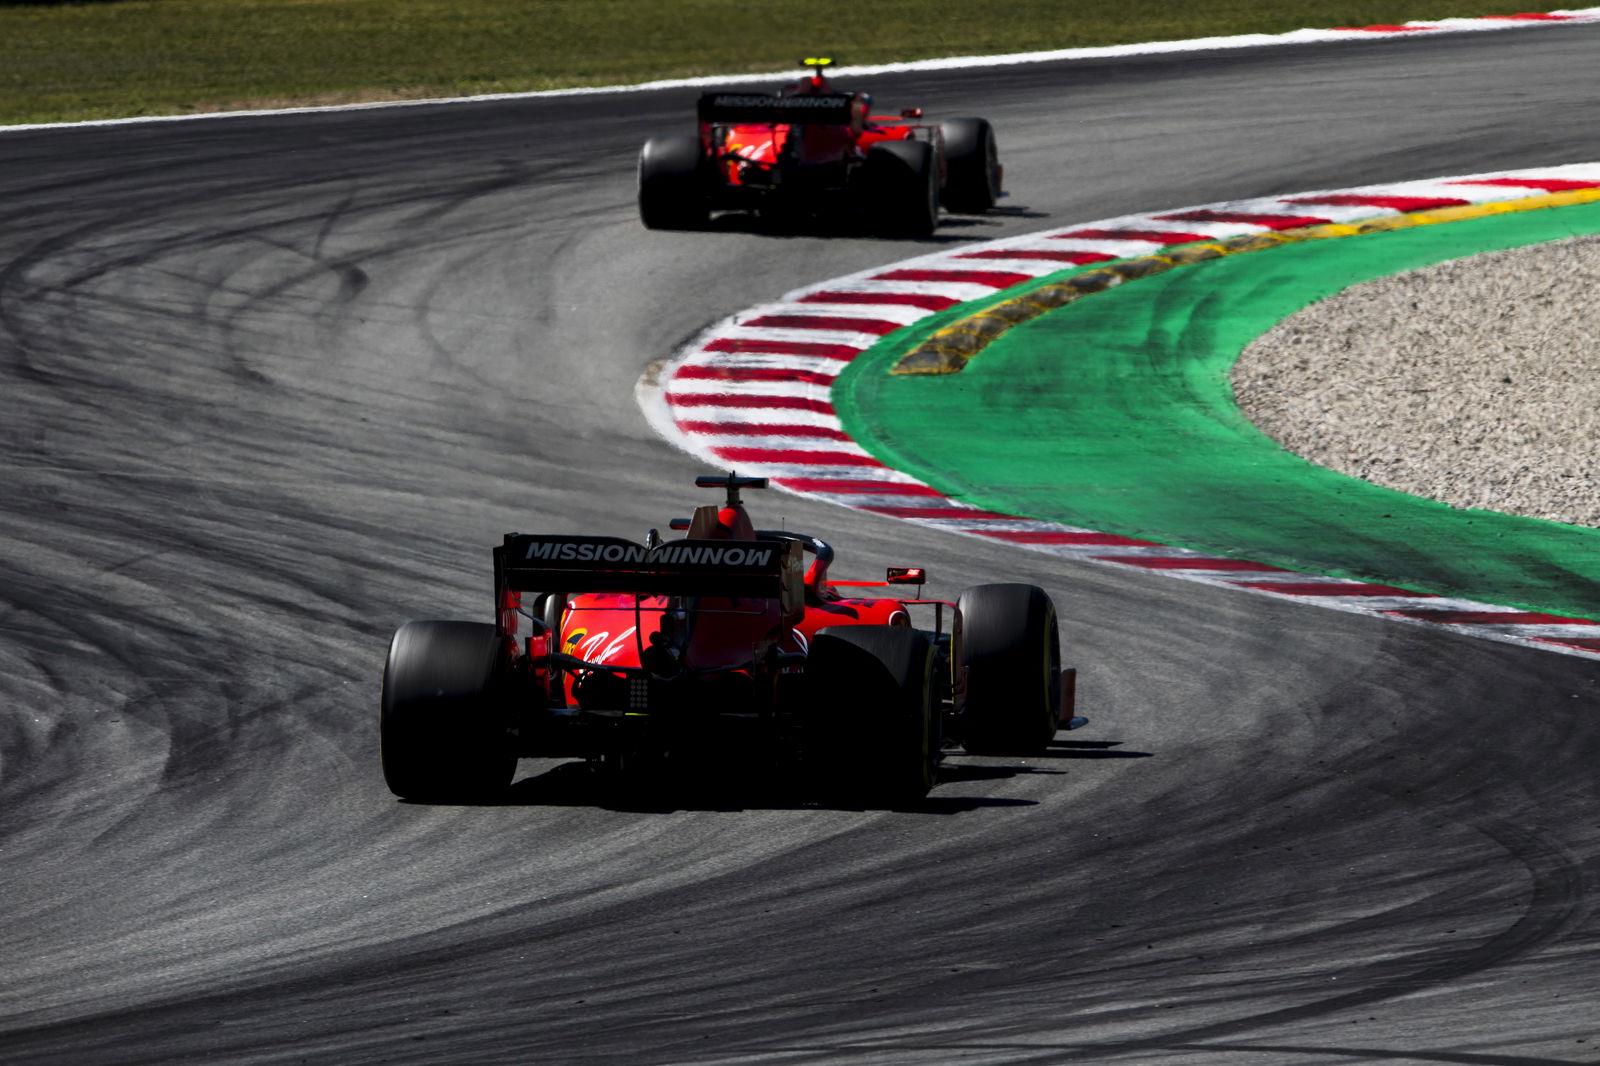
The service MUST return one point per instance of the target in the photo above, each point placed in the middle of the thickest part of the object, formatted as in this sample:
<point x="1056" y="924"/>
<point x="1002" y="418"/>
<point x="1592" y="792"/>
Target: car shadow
<point x="1015" y="211"/>
<point x="953" y="229"/>
<point x="741" y="787"/>
<point x="1092" y="749"/>
<point x="582" y="784"/>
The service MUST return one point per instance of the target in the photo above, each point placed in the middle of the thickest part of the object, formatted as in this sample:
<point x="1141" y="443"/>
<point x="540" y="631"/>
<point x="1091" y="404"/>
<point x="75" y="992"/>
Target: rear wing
<point x="826" y="109"/>
<point x="746" y="569"/>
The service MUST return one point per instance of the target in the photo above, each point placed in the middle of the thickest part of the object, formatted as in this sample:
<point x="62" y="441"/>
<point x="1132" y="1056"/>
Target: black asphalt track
<point x="270" y="386"/>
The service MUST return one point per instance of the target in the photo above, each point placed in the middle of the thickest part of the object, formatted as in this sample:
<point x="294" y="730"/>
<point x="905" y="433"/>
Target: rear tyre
<point x="972" y="166"/>
<point x="672" y="192"/>
<point x="1011" y="648"/>
<point x="872" y="697"/>
<point x="442" y="724"/>
<point x="902" y="188"/>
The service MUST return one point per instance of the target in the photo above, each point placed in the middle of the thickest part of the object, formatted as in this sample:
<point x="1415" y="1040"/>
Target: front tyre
<point x="672" y="189"/>
<point x="1010" y="648"/>
<point x="442" y="723"/>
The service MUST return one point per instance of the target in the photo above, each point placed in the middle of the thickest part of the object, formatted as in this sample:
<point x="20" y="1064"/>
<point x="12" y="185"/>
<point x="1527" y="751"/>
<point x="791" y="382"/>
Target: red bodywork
<point x="756" y="155"/>
<point x="575" y="653"/>
<point x="612" y="629"/>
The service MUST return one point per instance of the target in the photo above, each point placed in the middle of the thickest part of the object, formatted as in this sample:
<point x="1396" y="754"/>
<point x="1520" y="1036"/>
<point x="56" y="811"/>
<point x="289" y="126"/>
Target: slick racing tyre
<point x="1011" y="649"/>
<point x="672" y="193"/>
<point x="972" y="166"/>
<point x="442" y="725"/>
<point x="902" y="188"/>
<point x="872" y="701"/>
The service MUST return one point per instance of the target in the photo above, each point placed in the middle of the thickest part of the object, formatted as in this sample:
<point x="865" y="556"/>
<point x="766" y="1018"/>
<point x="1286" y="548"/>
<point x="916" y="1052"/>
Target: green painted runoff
<point x="1115" y="413"/>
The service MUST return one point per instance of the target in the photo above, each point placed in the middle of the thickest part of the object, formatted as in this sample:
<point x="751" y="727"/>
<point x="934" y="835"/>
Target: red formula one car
<point x="810" y="149"/>
<point x="726" y="642"/>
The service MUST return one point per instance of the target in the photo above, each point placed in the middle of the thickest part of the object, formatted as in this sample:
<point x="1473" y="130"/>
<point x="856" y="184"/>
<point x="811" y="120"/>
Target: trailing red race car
<point x="726" y="641"/>
<point x="810" y="149"/>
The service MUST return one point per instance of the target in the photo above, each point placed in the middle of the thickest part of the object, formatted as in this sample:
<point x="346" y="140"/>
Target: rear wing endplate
<point x="746" y="569"/>
<point x="828" y="109"/>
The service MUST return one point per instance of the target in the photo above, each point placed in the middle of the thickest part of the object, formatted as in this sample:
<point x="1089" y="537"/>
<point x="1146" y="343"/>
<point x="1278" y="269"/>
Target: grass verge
<point x="121" y="58"/>
<point x="1115" y="413"/>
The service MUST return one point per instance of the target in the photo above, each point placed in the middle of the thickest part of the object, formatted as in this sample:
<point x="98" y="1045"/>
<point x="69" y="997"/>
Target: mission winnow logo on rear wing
<point x="825" y="108"/>
<point x="678" y="553"/>
<point x="551" y="563"/>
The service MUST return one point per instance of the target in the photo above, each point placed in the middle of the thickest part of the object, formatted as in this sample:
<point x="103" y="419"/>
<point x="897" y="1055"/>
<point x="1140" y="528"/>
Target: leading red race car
<point x="726" y="641"/>
<point x="811" y="148"/>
